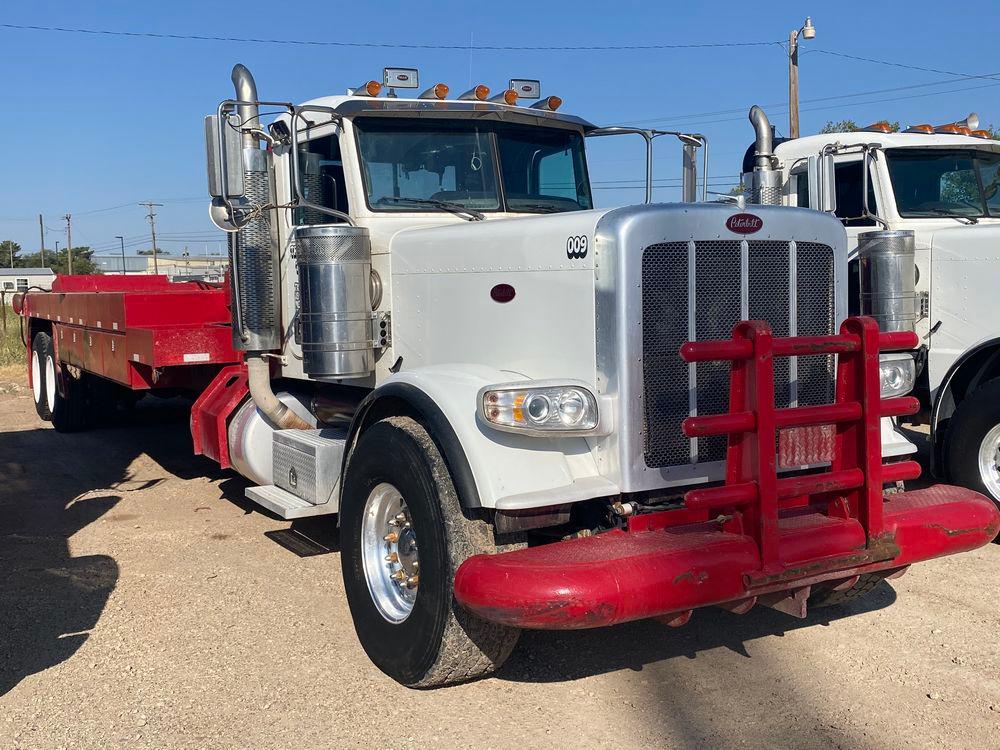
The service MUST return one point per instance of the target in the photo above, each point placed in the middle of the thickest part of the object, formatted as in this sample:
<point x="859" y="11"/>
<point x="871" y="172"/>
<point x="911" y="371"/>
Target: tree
<point x="83" y="264"/>
<point x="149" y="251"/>
<point x="850" y="126"/>
<point x="9" y="253"/>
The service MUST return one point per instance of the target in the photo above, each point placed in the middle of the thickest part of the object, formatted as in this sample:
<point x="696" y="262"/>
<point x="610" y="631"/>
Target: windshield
<point x="945" y="182"/>
<point x="448" y="164"/>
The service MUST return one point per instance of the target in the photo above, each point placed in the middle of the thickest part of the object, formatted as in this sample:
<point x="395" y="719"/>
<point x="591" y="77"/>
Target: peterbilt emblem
<point x="576" y="247"/>
<point x="293" y="477"/>
<point x="744" y="223"/>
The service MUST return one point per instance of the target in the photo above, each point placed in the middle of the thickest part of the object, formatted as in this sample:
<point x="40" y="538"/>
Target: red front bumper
<point x="619" y="576"/>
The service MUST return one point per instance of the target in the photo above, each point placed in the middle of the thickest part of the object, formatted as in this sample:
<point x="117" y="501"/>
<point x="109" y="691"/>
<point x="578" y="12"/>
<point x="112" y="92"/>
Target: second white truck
<point x="939" y="183"/>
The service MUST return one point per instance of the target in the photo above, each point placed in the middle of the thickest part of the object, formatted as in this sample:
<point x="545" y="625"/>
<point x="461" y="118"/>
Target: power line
<point x="389" y="45"/>
<point x="907" y="66"/>
<point x="835" y="97"/>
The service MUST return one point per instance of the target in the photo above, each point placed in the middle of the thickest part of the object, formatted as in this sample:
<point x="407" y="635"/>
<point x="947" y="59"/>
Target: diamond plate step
<point x="285" y="504"/>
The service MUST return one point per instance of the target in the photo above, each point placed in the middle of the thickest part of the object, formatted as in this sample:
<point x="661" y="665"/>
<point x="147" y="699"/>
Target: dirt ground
<point x="143" y="604"/>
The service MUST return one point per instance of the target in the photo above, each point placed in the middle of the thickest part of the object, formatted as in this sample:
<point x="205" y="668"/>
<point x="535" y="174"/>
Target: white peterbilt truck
<point x="432" y="337"/>
<point x="937" y="188"/>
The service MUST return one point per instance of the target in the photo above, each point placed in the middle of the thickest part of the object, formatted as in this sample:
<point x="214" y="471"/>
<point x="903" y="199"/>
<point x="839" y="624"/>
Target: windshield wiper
<point x="455" y="208"/>
<point x="541" y="208"/>
<point x="961" y="218"/>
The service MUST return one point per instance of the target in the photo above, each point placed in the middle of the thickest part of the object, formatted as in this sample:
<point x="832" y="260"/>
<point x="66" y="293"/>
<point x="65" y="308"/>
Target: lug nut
<point x="412" y="581"/>
<point x="400" y="517"/>
<point x="391" y="557"/>
<point x="399" y="575"/>
<point x="392" y="537"/>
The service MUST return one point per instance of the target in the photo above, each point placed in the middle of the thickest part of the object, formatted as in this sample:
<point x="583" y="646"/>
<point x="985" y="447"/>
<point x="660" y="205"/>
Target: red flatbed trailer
<point x="142" y="332"/>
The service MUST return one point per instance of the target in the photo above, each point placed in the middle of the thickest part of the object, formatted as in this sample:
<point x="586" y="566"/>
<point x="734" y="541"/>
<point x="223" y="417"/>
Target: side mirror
<point x="822" y="183"/>
<point x="225" y="165"/>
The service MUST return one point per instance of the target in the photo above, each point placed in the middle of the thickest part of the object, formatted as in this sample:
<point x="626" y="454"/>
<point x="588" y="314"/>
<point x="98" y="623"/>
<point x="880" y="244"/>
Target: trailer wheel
<point x="41" y="383"/>
<point x="827" y="597"/>
<point x="403" y="536"/>
<point x="67" y="400"/>
<point x="973" y="442"/>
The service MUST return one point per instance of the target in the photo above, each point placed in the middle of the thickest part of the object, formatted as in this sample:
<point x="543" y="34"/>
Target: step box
<point x="285" y="504"/>
<point x="307" y="464"/>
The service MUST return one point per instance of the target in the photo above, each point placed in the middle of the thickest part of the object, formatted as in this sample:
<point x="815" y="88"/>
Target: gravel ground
<point x="143" y="605"/>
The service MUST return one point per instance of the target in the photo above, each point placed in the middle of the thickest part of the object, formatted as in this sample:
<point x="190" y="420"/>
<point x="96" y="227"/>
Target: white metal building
<point x="20" y="279"/>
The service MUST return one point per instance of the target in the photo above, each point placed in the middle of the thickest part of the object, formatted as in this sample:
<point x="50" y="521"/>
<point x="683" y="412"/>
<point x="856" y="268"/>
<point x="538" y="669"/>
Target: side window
<point x="321" y="180"/>
<point x="22" y="285"/>
<point x="850" y="208"/>
<point x="8" y="286"/>
<point x="802" y="189"/>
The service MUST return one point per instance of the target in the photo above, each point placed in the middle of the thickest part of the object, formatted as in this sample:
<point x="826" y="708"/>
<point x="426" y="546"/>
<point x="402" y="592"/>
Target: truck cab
<point x="940" y="183"/>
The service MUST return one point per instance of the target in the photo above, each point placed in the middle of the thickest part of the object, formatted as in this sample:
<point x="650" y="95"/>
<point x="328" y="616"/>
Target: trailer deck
<point x="142" y="332"/>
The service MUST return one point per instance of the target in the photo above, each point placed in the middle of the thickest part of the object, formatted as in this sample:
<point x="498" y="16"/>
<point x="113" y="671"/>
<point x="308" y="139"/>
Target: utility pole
<point x="41" y="230"/>
<point x="808" y="31"/>
<point x="152" y="229"/>
<point x="69" y="242"/>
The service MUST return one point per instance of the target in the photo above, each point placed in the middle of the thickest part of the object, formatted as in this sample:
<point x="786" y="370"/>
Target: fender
<point x="957" y="365"/>
<point x="942" y="400"/>
<point x="490" y="469"/>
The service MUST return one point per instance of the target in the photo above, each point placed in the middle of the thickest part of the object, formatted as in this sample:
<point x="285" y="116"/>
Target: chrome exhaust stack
<point x="253" y="258"/>
<point x="765" y="180"/>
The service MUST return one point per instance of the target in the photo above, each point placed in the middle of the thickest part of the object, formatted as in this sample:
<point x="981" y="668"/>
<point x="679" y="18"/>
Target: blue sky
<point x="101" y="122"/>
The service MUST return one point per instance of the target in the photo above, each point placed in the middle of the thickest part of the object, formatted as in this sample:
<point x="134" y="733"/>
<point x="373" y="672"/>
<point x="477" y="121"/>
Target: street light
<point x="118" y="236"/>
<point x="808" y="31"/>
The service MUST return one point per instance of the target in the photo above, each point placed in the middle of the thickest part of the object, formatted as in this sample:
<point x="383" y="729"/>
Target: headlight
<point x="526" y="408"/>
<point x="897" y="373"/>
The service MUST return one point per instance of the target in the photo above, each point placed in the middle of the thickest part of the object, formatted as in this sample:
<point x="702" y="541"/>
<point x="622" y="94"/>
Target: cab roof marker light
<point x="549" y="104"/>
<point x="371" y="88"/>
<point x="477" y="93"/>
<point x="953" y="129"/>
<point x="982" y="134"/>
<point x="928" y="129"/>
<point x="508" y="97"/>
<point x="878" y="127"/>
<point x="437" y="91"/>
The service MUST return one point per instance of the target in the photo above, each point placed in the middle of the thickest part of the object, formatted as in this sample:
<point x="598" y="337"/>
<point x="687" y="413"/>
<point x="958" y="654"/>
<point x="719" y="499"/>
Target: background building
<point x="20" y="279"/>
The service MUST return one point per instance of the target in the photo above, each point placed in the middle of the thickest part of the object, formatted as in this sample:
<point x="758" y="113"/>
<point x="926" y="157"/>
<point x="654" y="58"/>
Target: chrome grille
<point x="707" y="303"/>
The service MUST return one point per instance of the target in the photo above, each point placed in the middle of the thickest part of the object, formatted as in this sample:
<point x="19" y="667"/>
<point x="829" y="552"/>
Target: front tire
<point x="973" y="448"/>
<point x="829" y="597"/>
<point x="404" y="612"/>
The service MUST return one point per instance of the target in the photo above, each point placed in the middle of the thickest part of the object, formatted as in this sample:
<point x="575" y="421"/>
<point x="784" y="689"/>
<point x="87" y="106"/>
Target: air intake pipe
<point x="765" y="181"/>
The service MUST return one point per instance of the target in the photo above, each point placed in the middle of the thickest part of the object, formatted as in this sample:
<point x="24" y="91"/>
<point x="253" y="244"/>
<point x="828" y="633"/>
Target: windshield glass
<point x="944" y="182"/>
<point x="411" y="165"/>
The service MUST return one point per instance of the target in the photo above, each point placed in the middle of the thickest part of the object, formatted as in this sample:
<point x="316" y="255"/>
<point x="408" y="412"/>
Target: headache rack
<point x="759" y="434"/>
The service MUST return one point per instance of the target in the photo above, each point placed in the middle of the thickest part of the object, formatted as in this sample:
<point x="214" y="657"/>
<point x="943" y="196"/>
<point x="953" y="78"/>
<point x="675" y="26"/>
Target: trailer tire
<point x="436" y="642"/>
<point x="39" y="379"/>
<point x="972" y="448"/>
<point x="69" y="395"/>
<point x="828" y="597"/>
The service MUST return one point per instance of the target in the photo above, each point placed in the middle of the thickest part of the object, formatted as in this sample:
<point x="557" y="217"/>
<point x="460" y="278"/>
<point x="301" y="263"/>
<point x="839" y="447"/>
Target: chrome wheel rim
<point x="36" y="378"/>
<point x="389" y="553"/>
<point x="50" y="382"/>
<point x="989" y="462"/>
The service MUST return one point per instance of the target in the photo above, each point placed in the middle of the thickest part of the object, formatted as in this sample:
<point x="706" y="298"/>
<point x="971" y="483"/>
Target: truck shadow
<point x="559" y="656"/>
<point x="51" y="487"/>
